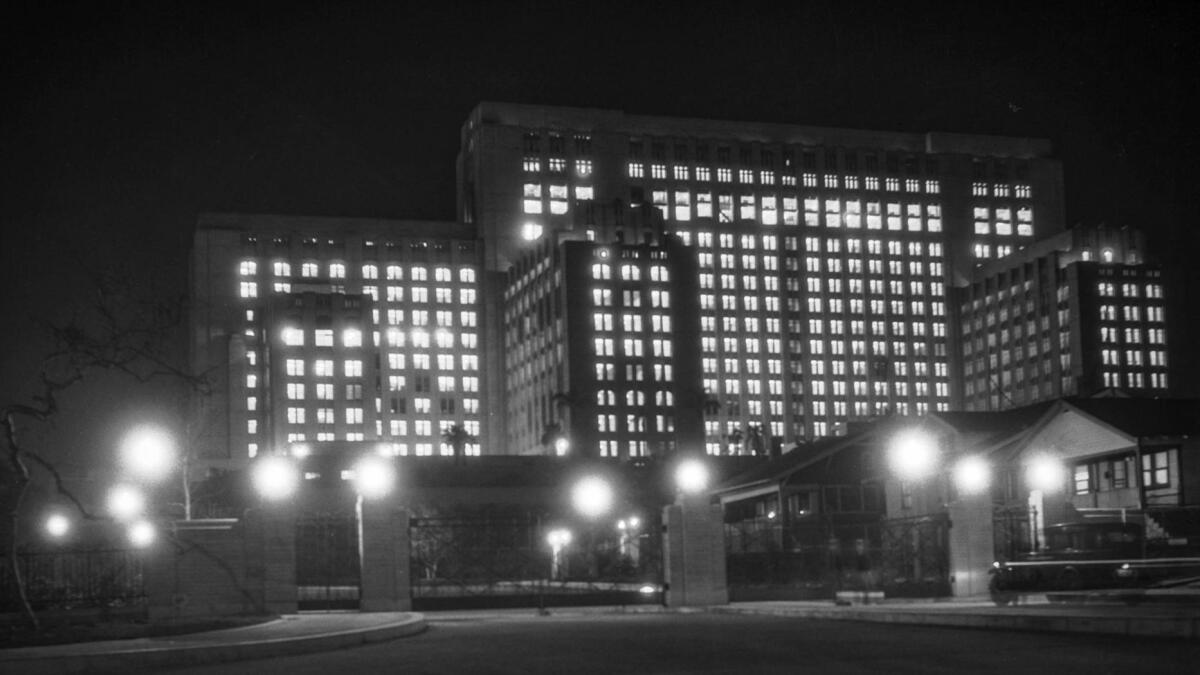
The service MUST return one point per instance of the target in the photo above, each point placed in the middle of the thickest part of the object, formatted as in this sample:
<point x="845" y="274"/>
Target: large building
<point x="825" y="255"/>
<point x="314" y="330"/>
<point x="1071" y="315"/>
<point x="602" y="349"/>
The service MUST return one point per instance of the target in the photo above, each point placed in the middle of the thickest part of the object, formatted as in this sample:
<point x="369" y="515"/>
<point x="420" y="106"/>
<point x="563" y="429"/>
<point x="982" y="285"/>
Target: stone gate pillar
<point x="971" y="544"/>
<point x="383" y="542"/>
<point x="694" y="553"/>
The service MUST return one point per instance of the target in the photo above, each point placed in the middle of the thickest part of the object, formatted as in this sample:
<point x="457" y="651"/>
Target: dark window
<point x="808" y="159"/>
<point x="787" y="159"/>
<point x="723" y="155"/>
<point x="556" y="144"/>
<point x="532" y="143"/>
<point x="851" y="161"/>
<point x="831" y="163"/>
<point x="658" y="151"/>
<point x="872" y="162"/>
<point x="931" y="166"/>
<point x="746" y="155"/>
<point x="680" y="152"/>
<point x="701" y="153"/>
<point x="583" y="145"/>
<point x="767" y="158"/>
<point x="635" y="149"/>
<point x="893" y="163"/>
<point x="1118" y="473"/>
<point x="910" y="166"/>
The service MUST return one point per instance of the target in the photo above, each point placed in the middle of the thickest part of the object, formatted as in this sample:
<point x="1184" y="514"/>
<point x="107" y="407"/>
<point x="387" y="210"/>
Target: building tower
<point x="1072" y="315"/>
<point x="825" y="256"/>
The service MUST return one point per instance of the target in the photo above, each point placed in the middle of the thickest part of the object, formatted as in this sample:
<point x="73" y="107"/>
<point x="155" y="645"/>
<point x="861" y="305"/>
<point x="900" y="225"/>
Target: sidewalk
<point x="288" y="635"/>
<point x="1172" y="620"/>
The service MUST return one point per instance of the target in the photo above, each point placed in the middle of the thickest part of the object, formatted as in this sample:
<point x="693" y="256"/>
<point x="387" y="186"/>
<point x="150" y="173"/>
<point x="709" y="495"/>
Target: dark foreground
<point x="709" y="643"/>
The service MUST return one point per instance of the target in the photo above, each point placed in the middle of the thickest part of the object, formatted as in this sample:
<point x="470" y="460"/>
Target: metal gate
<point x="1012" y="531"/>
<point x="480" y="560"/>
<point x="916" y="556"/>
<point x="328" y="574"/>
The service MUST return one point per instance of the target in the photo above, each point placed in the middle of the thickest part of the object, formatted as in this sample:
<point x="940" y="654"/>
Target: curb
<point x="1162" y="627"/>
<point x="174" y="655"/>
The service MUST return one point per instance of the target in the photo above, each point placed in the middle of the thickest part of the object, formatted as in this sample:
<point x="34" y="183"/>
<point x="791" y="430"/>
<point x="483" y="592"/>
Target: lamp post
<point x="558" y="539"/>
<point x="592" y="497"/>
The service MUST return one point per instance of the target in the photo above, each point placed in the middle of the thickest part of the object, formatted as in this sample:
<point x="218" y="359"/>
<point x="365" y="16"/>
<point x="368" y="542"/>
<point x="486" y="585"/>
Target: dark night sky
<point x="124" y="120"/>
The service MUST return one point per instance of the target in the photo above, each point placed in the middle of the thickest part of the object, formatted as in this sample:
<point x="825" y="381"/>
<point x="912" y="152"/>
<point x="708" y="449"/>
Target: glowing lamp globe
<point x="275" y="478"/>
<point x="148" y="453"/>
<point x="1045" y="473"/>
<point x="592" y="496"/>
<point x="913" y="455"/>
<point x="374" y="477"/>
<point x="972" y="475"/>
<point x="558" y="538"/>
<point x="57" y="525"/>
<point x="691" y="477"/>
<point x="141" y="534"/>
<point x="125" y="502"/>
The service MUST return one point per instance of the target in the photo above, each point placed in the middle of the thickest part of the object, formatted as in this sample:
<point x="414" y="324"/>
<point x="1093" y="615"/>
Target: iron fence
<point x="75" y="579"/>
<point x="490" y="561"/>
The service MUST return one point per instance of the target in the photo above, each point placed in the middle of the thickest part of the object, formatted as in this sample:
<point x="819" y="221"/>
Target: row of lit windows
<point x="705" y="174"/>
<point x="1133" y="358"/>
<point x="337" y="270"/>
<point x="633" y="347"/>
<point x="1108" y="289"/>
<point x="533" y="164"/>
<point x="1134" y="380"/>
<point x="630" y="272"/>
<point x="1132" y="335"/>
<point x="1003" y="190"/>
<point x="634" y="372"/>
<point x="606" y="423"/>
<point x="534" y="204"/>
<point x="1153" y="314"/>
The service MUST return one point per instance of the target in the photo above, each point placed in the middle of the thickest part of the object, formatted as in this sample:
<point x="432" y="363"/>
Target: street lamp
<point x="148" y="453"/>
<point x="374" y="477"/>
<point x="913" y="454"/>
<point x="141" y="534"/>
<point x="592" y="496"/>
<point x="57" y="525"/>
<point x="972" y="475"/>
<point x="561" y="446"/>
<point x="1045" y="473"/>
<point x="558" y="540"/>
<point x="691" y="476"/>
<point x="275" y="478"/>
<point x="125" y="502"/>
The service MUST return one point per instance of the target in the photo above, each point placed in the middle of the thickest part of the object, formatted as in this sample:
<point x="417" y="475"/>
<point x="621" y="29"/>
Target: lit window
<point x="353" y="368"/>
<point x="351" y="337"/>
<point x="248" y="267"/>
<point x="337" y="271"/>
<point x="248" y="289"/>
<point x="583" y="167"/>
<point x="636" y="170"/>
<point x="531" y="231"/>
<point x="293" y="337"/>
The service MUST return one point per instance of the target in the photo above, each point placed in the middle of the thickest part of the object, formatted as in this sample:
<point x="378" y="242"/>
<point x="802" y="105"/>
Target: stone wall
<point x="694" y="554"/>
<point x="213" y="568"/>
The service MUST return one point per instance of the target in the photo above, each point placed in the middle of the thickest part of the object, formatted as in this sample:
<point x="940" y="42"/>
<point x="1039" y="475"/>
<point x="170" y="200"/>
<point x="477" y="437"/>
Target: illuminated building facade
<point x="602" y="349"/>
<point x="825" y="256"/>
<point x="1072" y="315"/>
<point x="317" y="330"/>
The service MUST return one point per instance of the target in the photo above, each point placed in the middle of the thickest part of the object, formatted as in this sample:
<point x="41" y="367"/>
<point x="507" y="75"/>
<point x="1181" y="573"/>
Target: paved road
<point x="708" y="643"/>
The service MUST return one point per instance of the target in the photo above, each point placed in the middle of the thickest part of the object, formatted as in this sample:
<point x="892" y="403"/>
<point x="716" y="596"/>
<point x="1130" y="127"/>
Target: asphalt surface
<point x="522" y="642"/>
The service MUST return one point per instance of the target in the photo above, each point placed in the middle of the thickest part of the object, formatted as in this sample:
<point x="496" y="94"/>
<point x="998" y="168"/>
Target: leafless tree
<point x="112" y="330"/>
